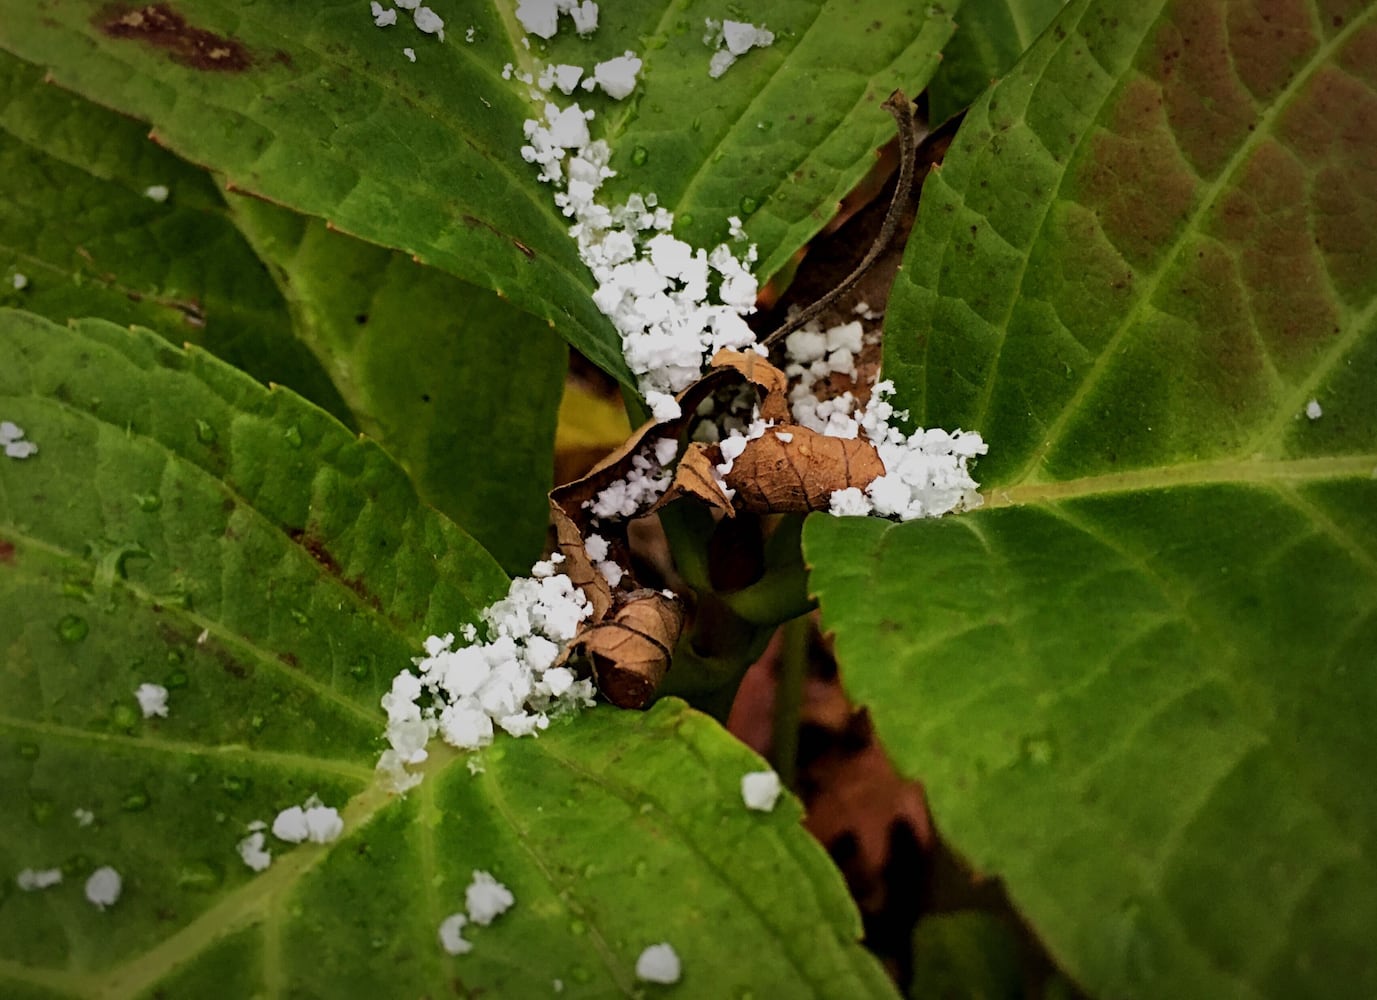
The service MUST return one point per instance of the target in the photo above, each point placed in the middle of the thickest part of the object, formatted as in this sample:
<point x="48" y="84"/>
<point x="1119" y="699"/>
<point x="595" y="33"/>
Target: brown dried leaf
<point x="777" y="476"/>
<point x="694" y="476"/>
<point x="577" y="566"/>
<point x="630" y="650"/>
<point x="770" y="384"/>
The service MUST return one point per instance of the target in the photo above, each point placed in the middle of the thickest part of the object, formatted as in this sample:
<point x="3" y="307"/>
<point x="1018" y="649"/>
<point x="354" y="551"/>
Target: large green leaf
<point x="182" y="525"/>
<point x="990" y="36"/>
<point x="463" y="389"/>
<point x="74" y="220"/>
<point x="785" y="133"/>
<point x="1138" y="684"/>
<point x="312" y="106"/>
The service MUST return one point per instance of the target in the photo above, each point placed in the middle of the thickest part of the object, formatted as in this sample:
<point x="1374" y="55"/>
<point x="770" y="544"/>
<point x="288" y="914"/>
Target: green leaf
<point x="460" y="387"/>
<point x="182" y="525"/>
<point x="74" y="220"/>
<point x="1137" y="684"/>
<point x="320" y="111"/>
<point x="990" y="36"/>
<point x="779" y="138"/>
<point x="966" y="955"/>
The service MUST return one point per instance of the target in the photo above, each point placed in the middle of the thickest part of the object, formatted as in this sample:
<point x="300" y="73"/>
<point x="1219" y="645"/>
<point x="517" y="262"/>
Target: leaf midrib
<point x="1246" y="472"/>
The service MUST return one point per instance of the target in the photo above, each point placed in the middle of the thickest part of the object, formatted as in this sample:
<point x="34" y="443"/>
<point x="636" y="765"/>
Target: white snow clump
<point x="103" y="887"/>
<point x="541" y="17"/>
<point x="658" y="964"/>
<point x="152" y="700"/>
<point x="508" y="678"/>
<point x="35" y="879"/>
<point x="732" y="39"/>
<point x="760" y="790"/>
<point x="486" y="898"/>
<point x="12" y="438"/>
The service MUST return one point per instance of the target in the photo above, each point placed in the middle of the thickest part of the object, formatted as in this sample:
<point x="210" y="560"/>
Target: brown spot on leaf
<point x="162" y="27"/>
<point x="6" y="552"/>
<point x="317" y="550"/>
<point x="1270" y="40"/>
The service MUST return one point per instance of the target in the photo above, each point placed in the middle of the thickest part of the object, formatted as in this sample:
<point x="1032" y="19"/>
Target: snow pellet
<point x="103" y="887"/>
<point x="19" y="281"/>
<point x="156" y="192"/>
<point x="429" y="22"/>
<point x="35" y="879"/>
<point x="253" y="853"/>
<point x="760" y="790"/>
<point x="1312" y="409"/>
<point x="486" y="898"/>
<point x="452" y="935"/>
<point x="658" y="964"/>
<point x="410" y="53"/>
<point x="290" y="825"/>
<point x="383" y="17"/>
<point x="152" y="700"/>
<point x="83" y="817"/>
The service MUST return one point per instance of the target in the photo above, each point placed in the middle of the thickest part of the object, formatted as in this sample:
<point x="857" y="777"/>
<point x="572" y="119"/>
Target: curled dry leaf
<point x="630" y="650"/>
<point x="792" y="469"/>
<point x="695" y="476"/>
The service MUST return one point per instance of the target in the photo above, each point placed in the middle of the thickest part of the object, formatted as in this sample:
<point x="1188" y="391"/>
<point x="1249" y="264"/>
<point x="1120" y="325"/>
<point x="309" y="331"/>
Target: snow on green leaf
<point x="185" y="527"/>
<point x="459" y="386"/>
<point x="77" y="221"/>
<point x="317" y="109"/>
<point x="1137" y="685"/>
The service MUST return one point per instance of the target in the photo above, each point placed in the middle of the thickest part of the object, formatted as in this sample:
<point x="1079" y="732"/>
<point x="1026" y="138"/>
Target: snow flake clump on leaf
<point x="732" y="39"/>
<point x="103" y="887"/>
<point x="12" y="440"/>
<point x="658" y="964"/>
<point x="760" y="790"/>
<point x="509" y="679"/>
<point x="34" y="880"/>
<point x="152" y="700"/>
<point x="541" y="17"/>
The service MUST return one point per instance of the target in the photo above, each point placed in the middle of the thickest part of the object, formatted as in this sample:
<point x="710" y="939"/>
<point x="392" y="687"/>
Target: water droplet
<point x="360" y="670"/>
<point x="1039" y="749"/>
<point x="640" y="868"/>
<point x="176" y="679"/>
<point x="577" y="927"/>
<point x="293" y="436"/>
<point x="257" y="723"/>
<point x="175" y="656"/>
<point x="135" y="802"/>
<point x="685" y="218"/>
<point x="29" y="751"/>
<point x="41" y="808"/>
<point x="765" y="126"/>
<point x="204" y="432"/>
<point x="581" y="974"/>
<point x="326" y="84"/>
<point x="72" y="628"/>
<point x="236" y="787"/>
<point x="149" y="502"/>
<point x="639" y="156"/>
<point x="299" y="617"/>
<point x="589" y="871"/>
<point x="749" y="205"/>
<point x="124" y="717"/>
<point x="200" y="876"/>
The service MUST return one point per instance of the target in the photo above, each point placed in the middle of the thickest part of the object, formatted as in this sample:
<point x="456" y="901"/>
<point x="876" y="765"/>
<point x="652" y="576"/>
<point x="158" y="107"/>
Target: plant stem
<point x="789" y="681"/>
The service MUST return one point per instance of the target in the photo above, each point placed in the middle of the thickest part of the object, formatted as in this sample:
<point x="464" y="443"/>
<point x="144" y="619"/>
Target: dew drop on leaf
<point x="204" y="432"/>
<point x="359" y="671"/>
<point x="149" y="502"/>
<point x="749" y="205"/>
<point x="29" y="751"/>
<point x="236" y="787"/>
<point x="72" y="628"/>
<point x="176" y="679"/>
<point x="136" y="801"/>
<point x="293" y="436"/>
<point x="639" y="156"/>
<point x="124" y="717"/>
<point x="578" y="928"/>
<point x="581" y="974"/>
<point x="299" y="617"/>
<point x="1038" y="749"/>
<point x="199" y="876"/>
<point x="40" y="808"/>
